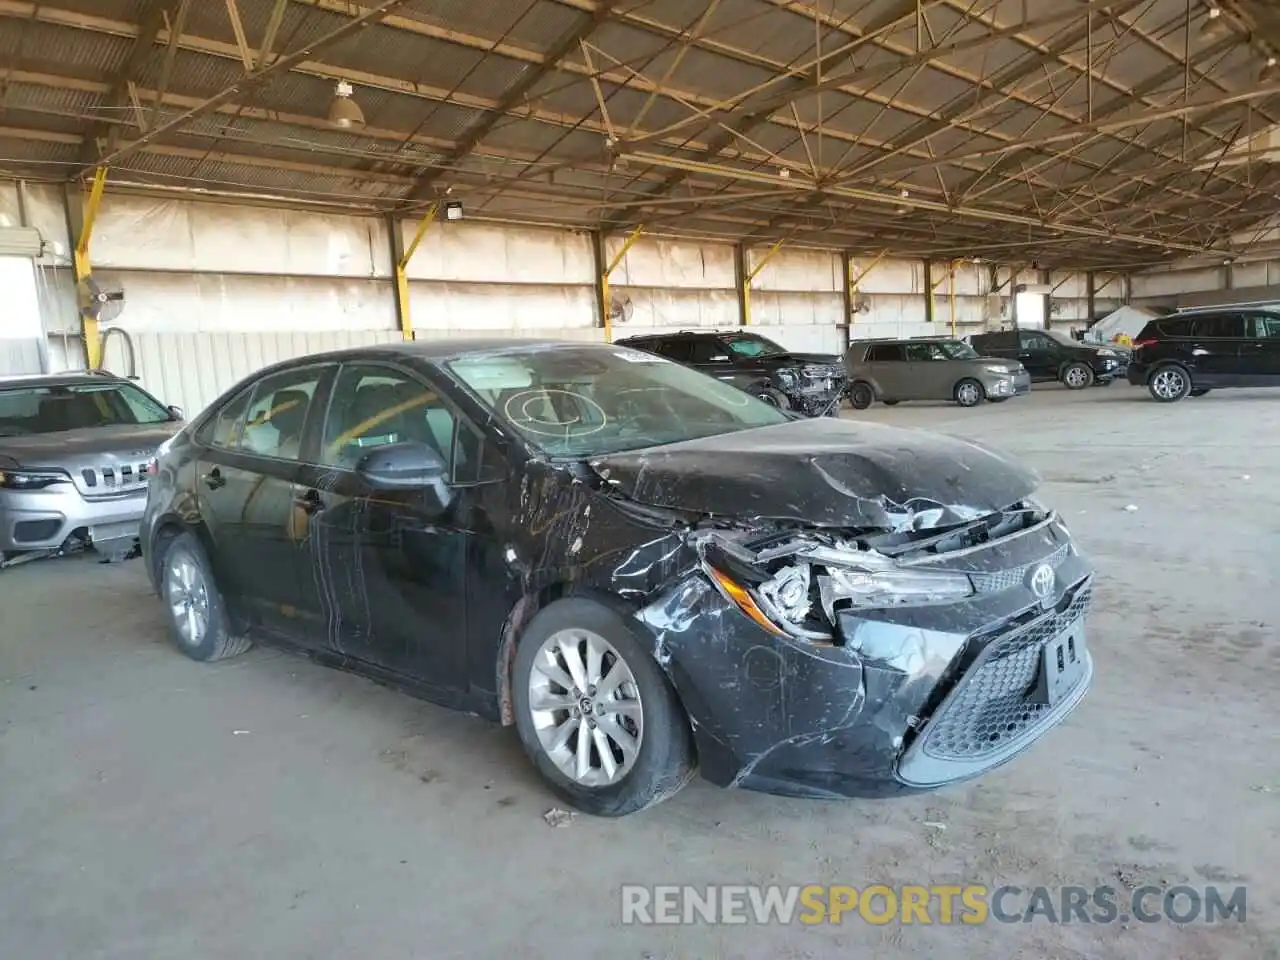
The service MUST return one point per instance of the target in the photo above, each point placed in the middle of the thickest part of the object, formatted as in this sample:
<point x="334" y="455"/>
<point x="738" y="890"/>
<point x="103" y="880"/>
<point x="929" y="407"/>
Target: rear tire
<point x="1170" y="383"/>
<point x="198" y="619"/>
<point x="1077" y="376"/>
<point x="969" y="392"/>
<point x="574" y="639"/>
<point x="861" y="396"/>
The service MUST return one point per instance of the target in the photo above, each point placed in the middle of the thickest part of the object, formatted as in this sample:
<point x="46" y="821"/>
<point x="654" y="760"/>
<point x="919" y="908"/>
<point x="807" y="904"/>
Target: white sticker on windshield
<point x="639" y="356"/>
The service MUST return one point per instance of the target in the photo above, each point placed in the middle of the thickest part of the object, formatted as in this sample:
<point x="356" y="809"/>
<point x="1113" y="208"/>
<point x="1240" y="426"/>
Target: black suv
<point x="809" y="383"/>
<point x="1193" y="351"/>
<point x="1052" y="355"/>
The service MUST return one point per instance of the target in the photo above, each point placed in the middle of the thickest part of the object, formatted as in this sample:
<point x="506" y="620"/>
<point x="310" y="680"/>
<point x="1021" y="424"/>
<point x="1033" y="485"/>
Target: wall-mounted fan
<point x="861" y="304"/>
<point x="621" y="308"/>
<point x="97" y="303"/>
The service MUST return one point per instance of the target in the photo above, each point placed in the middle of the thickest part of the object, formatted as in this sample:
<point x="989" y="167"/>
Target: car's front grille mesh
<point x="112" y="479"/>
<point x="992" y="703"/>
<point x="999" y="580"/>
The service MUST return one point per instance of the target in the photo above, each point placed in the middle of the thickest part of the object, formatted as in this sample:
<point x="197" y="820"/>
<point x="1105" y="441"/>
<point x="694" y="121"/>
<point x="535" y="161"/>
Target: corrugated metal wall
<point x="215" y="289"/>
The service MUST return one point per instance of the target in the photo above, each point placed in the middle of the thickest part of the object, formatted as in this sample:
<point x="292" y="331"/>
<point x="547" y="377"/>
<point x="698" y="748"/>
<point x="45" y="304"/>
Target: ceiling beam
<point x="149" y="26"/>
<point x="253" y="79"/>
<point x="425" y="186"/>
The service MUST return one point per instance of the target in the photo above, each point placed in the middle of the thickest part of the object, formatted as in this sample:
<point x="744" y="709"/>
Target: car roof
<point x="59" y="379"/>
<point x="1270" y="306"/>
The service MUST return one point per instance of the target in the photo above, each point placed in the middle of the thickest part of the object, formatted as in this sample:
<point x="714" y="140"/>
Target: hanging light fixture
<point x="902" y="209"/>
<point x="1270" y="71"/>
<point x="1215" y="26"/>
<point x="343" y="111"/>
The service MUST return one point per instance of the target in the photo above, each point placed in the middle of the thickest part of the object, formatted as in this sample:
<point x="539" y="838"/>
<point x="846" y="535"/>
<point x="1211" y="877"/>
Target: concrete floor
<point x="154" y="807"/>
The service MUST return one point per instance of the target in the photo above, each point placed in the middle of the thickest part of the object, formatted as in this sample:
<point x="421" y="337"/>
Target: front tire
<point x="861" y="396"/>
<point x="969" y="393"/>
<point x="1170" y="384"/>
<point x="1077" y="376"/>
<point x="198" y="618"/>
<point x="775" y="398"/>
<point x="996" y="399"/>
<point x="1199" y="392"/>
<point x="595" y="713"/>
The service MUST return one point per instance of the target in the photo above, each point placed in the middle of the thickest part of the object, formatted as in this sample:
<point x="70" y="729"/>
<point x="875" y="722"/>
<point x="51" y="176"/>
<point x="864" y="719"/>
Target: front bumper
<point x="916" y="697"/>
<point x="46" y="519"/>
<point x="999" y="386"/>
<point x="1108" y="369"/>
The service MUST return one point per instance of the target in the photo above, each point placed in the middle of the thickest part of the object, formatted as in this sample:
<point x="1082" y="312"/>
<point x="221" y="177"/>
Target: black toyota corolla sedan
<point x="646" y="571"/>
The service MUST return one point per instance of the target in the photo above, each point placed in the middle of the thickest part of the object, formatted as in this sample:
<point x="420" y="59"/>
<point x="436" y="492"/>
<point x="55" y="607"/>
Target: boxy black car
<point x="1052" y="355"/>
<point x="645" y="570"/>
<point x="1194" y="351"/>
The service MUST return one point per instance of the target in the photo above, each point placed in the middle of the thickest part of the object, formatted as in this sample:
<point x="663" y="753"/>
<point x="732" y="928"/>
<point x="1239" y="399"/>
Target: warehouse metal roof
<point x="1079" y="132"/>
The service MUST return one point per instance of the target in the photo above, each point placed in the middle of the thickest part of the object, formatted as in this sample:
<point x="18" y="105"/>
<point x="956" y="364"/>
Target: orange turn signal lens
<point x="744" y="601"/>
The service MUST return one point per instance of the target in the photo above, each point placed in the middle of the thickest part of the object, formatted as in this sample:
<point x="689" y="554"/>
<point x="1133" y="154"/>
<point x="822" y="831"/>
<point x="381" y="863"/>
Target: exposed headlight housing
<point x="31" y="479"/>
<point x="998" y="368"/>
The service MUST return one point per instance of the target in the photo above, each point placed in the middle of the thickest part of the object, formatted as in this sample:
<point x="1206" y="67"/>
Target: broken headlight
<point x="802" y="596"/>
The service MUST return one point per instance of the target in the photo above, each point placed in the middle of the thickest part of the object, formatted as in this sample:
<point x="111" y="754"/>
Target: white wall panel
<point x="796" y="308"/>
<point x="56" y="287"/>
<point x="19" y="355"/>
<point x="1172" y="283"/>
<point x="887" y="275"/>
<point x="166" y="234"/>
<point x="677" y="309"/>
<point x="797" y="270"/>
<point x="494" y="308"/>
<point x="211" y="302"/>
<point x="489" y="252"/>
<point x="192" y="369"/>
<point x="673" y="263"/>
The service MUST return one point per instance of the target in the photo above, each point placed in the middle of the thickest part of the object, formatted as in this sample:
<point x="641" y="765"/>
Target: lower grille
<point x="992" y="703"/>
<point x="34" y="531"/>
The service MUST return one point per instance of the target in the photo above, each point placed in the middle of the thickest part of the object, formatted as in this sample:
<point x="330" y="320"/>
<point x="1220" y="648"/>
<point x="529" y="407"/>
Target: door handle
<point x="309" y="502"/>
<point x="214" y="479"/>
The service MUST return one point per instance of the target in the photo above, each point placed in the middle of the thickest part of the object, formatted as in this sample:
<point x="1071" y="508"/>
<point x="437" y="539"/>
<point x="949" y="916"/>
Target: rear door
<point x="1217" y="349"/>
<point x="886" y="367"/>
<point x="930" y="372"/>
<point x="245" y="488"/>
<point x="1260" y="349"/>
<point x="1039" y="354"/>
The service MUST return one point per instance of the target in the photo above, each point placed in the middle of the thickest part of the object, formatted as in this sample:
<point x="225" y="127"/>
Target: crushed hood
<point x="827" y="473"/>
<point x="48" y="449"/>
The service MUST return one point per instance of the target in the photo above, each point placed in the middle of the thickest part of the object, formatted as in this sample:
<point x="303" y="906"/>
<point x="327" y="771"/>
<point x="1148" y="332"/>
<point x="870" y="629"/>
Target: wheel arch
<point x="519" y="618"/>
<point x="165" y="530"/>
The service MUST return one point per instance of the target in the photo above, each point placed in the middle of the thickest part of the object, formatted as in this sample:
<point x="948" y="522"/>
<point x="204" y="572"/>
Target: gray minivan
<point x="930" y="369"/>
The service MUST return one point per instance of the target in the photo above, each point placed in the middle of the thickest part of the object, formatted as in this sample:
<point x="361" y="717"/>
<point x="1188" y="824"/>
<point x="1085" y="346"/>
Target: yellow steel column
<point x="402" y="277"/>
<point x="751" y="275"/>
<point x="627" y="244"/>
<point x="953" y="298"/>
<point x="90" y="336"/>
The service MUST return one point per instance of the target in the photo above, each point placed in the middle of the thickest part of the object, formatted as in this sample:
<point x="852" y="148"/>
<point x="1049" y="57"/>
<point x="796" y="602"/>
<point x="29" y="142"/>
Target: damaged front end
<point x="836" y="662"/>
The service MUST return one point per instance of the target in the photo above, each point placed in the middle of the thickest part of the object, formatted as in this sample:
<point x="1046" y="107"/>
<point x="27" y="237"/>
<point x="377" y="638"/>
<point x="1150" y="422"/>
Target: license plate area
<point x="1062" y="661"/>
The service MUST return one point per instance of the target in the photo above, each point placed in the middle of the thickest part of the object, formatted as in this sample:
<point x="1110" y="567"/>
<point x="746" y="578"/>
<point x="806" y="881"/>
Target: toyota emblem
<point x="1042" y="581"/>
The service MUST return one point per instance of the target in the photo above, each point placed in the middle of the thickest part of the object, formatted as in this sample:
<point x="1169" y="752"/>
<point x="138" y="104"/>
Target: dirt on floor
<point x="265" y="806"/>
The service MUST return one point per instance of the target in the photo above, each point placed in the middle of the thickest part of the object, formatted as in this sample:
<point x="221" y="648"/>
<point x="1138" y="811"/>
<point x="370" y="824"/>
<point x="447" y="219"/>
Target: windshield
<point x="586" y="401"/>
<point x="958" y="350"/>
<point x="753" y="346"/>
<point x="1061" y="337"/>
<point x="25" y="411"/>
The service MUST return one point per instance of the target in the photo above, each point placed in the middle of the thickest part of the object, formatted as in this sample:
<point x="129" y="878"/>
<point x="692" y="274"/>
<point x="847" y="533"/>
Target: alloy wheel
<point x="585" y="706"/>
<point x="1077" y="377"/>
<point x="968" y="394"/>
<point x="1169" y="384"/>
<point x="188" y="597"/>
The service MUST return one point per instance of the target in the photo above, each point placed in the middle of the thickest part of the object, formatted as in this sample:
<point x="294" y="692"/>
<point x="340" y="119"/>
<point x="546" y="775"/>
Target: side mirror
<point x="175" y="413"/>
<point x="403" y="466"/>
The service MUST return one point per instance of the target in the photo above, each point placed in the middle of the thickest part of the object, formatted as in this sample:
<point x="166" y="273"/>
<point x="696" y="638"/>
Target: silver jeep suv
<point x="75" y="455"/>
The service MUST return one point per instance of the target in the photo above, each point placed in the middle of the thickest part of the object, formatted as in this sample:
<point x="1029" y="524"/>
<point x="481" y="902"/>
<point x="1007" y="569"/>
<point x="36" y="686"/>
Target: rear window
<point x="885" y="353"/>
<point x="1218" y="326"/>
<point x="25" y="411"/>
